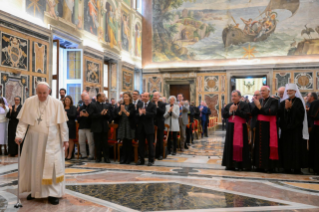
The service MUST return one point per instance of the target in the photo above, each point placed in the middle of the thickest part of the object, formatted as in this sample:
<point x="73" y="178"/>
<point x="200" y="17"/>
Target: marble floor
<point x="192" y="181"/>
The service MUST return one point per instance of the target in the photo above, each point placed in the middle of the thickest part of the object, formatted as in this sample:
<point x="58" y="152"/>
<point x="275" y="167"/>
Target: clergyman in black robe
<point x="236" y="149"/>
<point x="293" y="151"/>
<point x="266" y="156"/>
<point x="314" y="137"/>
<point x="13" y="123"/>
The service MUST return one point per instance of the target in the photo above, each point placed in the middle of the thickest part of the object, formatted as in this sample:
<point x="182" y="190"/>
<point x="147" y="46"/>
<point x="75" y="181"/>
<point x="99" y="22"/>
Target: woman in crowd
<point x="171" y="118"/>
<point x="4" y="109"/>
<point x="126" y="130"/>
<point x="70" y="111"/>
<point x="13" y="123"/>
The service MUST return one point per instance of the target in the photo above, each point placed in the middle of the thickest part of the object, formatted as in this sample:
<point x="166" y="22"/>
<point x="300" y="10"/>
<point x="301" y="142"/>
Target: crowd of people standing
<point x="272" y="134"/>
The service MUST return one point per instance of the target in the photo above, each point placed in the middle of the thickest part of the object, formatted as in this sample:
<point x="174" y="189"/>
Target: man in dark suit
<point x="189" y="128"/>
<point x="136" y="98"/>
<point x="146" y="113"/>
<point x="101" y="114"/>
<point x="159" y="122"/>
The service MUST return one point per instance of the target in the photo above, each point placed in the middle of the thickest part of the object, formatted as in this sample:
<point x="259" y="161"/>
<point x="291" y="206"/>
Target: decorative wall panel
<point x="39" y="58"/>
<point x="92" y="91"/>
<point x="92" y="72"/>
<point x="14" y="52"/>
<point x="211" y="83"/>
<point x="128" y="80"/>
<point x="212" y="103"/>
<point x="282" y="79"/>
<point x="13" y="85"/>
<point x="35" y="81"/>
<point x="154" y="84"/>
<point x="304" y="80"/>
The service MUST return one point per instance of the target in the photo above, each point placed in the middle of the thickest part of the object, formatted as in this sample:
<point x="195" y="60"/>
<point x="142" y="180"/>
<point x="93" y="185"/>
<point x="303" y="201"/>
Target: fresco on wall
<point x="112" y="23"/>
<point x="36" y="8"/>
<point x="138" y="40"/>
<point x="14" y="52"/>
<point x="128" y="2"/>
<point x="125" y="31"/>
<point x="92" y="13"/>
<point x="223" y="29"/>
<point x="65" y="9"/>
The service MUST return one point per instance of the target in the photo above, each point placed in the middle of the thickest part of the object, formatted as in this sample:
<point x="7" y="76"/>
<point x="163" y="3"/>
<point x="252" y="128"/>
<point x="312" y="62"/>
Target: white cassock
<point x="42" y="159"/>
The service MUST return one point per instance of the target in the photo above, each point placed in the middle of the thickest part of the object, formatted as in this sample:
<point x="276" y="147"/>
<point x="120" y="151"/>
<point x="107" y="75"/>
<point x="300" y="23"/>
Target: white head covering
<point x="305" y="133"/>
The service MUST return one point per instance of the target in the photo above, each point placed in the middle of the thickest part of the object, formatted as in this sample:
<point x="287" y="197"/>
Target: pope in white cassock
<point x="42" y="160"/>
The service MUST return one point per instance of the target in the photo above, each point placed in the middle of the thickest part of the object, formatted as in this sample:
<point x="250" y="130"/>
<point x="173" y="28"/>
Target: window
<point x="139" y="6"/>
<point x="71" y="72"/>
<point x="106" y="79"/>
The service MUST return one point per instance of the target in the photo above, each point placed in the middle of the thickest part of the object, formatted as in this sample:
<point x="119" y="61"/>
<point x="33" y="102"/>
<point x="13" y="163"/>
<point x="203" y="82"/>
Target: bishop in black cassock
<point x="294" y="130"/>
<point x="266" y="135"/>
<point x="236" y="149"/>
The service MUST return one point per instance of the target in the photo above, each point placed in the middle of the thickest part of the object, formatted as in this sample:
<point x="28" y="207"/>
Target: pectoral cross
<point x="39" y="120"/>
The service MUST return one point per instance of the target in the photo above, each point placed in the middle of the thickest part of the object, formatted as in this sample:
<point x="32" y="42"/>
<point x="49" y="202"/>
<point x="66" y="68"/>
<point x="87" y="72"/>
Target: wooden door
<point x="183" y="89"/>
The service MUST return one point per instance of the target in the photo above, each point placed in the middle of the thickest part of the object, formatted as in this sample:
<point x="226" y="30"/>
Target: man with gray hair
<point x="183" y="118"/>
<point x="236" y="149"/>
<point x="266" y="156"/>
<point x="42" y="159"/>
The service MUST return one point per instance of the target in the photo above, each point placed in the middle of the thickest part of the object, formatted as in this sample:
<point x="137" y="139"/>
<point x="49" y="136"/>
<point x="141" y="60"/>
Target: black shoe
<point x="53" y="200"/>
<point x="127" y="162"/>
<point x="83" y="158"/>
<point x="174" y="153"/>
<point x="122" y="162"/>
<point x="185" y="147"/>
<point x="160" y="158"/>
<point x="140" y="162"/>
<point x="97" y="160"/>
<point x="107" y="160"/>
<point x="297" y="171"/>
<point x="229" y="168"/>
<point x="150" y="163"/>
<point x="29" y="197"/>
<point x="169" y="153"/>
<point x="91" y="158"/>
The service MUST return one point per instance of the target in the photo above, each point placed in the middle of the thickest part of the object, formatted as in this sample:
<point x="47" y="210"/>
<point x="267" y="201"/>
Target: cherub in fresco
<point x="51" y="4"/>
<point x="100" y="36"/>
<point x="80" y="22"/>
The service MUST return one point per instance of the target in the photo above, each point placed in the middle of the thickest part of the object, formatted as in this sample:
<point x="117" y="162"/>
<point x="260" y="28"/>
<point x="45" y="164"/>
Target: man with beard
<point x="294" y="130"/>
<point x="266" y="135"/>
<point x="236" y="150"/>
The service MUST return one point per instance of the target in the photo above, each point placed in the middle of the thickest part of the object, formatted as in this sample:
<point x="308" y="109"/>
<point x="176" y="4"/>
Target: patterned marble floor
<point x="192" y="181"/>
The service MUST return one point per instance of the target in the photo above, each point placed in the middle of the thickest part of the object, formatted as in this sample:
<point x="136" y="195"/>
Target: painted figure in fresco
<point x="112" y="28"/>
<point x="125" y="33"/>
<point x="91" y="17"/>
<point x="68" y="6"/>
<point x="51" y="5"/>
<point x="247" y="25"/>
<point x="138" y="43"/>
<point x="110" y="25"/>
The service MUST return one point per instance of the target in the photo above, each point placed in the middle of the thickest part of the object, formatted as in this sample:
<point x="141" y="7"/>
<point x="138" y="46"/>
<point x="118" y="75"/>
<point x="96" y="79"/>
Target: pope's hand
<point x="18" y="141"/>
<point x="66" y="145"/>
